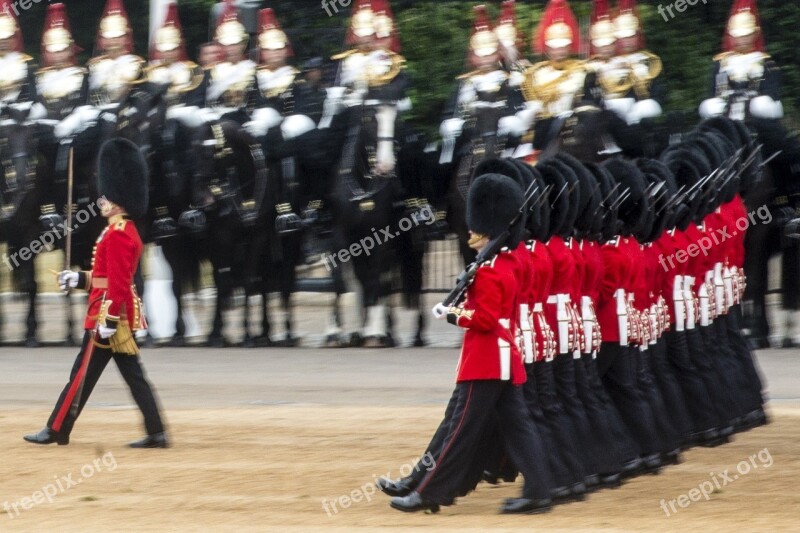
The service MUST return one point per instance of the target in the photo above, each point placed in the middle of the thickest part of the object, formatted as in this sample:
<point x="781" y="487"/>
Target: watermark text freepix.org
<point x="367" y="490"/>
<point x="332" y="6"/>
<point x="49" y="238"/>
<point x="717" y="481"/>
<point x="59" y="485"/>
<point x="715" y="238"/>
<point x="679" y="6"/>
<point x="367" y="244"/>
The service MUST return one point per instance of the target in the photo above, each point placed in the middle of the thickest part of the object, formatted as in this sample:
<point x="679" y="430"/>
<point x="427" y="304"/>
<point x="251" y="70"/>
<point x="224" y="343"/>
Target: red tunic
<point x="116" y="257"/>
<point x="489" y="350"/>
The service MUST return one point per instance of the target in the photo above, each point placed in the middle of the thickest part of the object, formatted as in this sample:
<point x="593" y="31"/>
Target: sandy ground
<point x="271" y="468"/>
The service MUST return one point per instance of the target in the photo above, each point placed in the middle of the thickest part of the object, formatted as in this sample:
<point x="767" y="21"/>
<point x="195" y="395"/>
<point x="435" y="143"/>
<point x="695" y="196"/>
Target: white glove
<point x="620" y="106"/>
<point x="296" y="125"/>
<point x="105" y="332"/>
<point x="644" y="109"/>
<point x="440" y="311"/>
<point x="67" y="279"/>
<point x="76" y="122"/>
<point x="511" y="125"/>
<point x="712" y="107"/>
<point x="765" y="107"/>
<point x="451" y="128"/>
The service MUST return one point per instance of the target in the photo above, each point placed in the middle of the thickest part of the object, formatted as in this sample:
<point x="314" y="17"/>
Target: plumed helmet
<point x="122" y="176"/>
<point x="492" y="202"/>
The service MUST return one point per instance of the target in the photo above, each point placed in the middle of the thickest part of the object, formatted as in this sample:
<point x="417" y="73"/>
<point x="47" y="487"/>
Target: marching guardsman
<point x="169" y="66"/>
<point x="371" y="70"/>
<point x="114" y="311"/>
<point x="116" y="70"/>
<point x="636" y="92"/>
<point x="490" y="370"/>
<point x="552" y="87"/>
<point x="232" y="89"/>
<point x="481" y="91"/>
<point x="17" y="86"/>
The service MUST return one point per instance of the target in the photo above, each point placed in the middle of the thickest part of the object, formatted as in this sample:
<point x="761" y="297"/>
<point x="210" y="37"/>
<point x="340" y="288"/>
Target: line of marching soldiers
<point x="604" y="338"/>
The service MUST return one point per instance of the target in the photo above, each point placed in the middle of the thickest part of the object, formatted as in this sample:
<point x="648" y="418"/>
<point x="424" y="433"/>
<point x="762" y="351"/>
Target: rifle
<point x="464" y="280"/>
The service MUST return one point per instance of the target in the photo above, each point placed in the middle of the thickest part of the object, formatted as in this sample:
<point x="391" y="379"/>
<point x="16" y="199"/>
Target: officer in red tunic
<point x="114" y="312"/>
<point x="490" y="367"/>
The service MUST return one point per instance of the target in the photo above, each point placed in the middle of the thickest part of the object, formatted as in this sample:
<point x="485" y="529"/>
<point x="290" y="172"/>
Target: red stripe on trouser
<point x="66" y="405"/>
<point x="449" y="444"/>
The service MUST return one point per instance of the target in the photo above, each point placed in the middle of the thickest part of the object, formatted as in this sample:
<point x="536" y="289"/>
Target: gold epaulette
<point x="345" y="54"/>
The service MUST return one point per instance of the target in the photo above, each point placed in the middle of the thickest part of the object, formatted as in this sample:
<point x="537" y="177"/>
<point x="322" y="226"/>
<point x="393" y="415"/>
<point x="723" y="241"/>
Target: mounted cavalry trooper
<point x="641" y="94"/>
<point x="371" y="84"/>
<point x="182" y="83"/>
<point x="17" y="87"/>
<point x="232" y="89"/>
<point x="746" y="87"/>
<point x="480" y="104"/>
<point x="62" y="88"/>
<point x="114" y="72"/>
<point x="602" y="76"/>
<point x="553" y="87"/>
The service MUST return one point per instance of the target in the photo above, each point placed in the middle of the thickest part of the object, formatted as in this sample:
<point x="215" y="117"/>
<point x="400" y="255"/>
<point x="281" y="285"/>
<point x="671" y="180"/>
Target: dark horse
<point x="19" y="209"/>
<point x="228" y="189"/>
<point x="479" y="142"/>
<point x="368" y="207"/>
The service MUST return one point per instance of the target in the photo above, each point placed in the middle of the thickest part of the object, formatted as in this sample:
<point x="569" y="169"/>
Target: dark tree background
<point x="434" y="37"/>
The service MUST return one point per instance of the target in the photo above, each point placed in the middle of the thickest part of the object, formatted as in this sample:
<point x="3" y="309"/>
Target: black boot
<point x="158" y="440"/>
<point x="412" y="503"/>
<point x="526" y="506"/>
<point x="398" y="487"/>
<point x="47" y="436"/>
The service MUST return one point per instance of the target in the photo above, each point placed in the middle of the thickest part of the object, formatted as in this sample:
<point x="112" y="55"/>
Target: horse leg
<point x="248" y="341"/>
<point x="264" y="339"/>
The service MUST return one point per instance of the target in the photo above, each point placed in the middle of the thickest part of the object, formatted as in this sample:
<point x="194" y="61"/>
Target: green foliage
<point x="434" y="36"/>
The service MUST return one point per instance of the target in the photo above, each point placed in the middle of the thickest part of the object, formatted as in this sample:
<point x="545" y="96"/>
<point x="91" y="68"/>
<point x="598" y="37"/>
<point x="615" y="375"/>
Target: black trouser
<point x="610" y="456"/>
<point x="562" y="476"/>
<point x="62" y="419"/>
<point x="695" y="393"/>
<point x="670" y="390"/>
<point x="720" y="369"/>
<point x="627" y="446"/>
<point x="617" y="366"/>
<point x="742" y="351"/>
<point x="477" y="403"/>
<point x="651" y="394"/>
<point x="589" y="452"/>
<point x="733" y="375"/>
<point x="565" y="439"/>
<point x="701" y="358"/>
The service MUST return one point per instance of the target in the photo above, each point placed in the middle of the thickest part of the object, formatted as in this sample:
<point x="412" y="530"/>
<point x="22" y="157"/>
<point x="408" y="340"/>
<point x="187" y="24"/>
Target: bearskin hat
<point x="604" y="218"/>
<point x="122" y="176"/>
<point x="552" y="175"/>
<point x="523" y="178"/>
<point x="657" y="173"/>
<point x="633" y="210"/>
<point x="492" y="202"/>
<point x="589" y="193"/>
